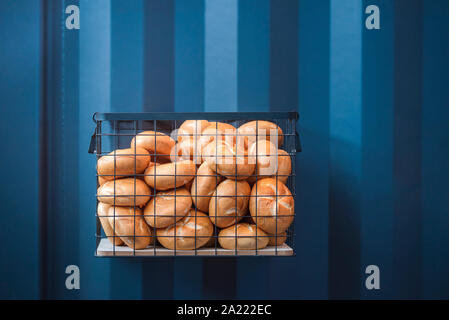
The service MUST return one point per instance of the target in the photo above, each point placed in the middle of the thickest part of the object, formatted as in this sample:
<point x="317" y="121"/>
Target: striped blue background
<point x="372" y="177"/>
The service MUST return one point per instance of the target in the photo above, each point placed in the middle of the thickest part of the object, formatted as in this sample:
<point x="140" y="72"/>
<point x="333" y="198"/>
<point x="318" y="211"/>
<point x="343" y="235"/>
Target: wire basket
<point x="169" y="184"/>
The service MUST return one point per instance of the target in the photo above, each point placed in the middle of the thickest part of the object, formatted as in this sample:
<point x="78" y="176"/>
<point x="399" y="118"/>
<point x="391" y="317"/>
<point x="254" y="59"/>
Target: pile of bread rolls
<point x="209" y="184"/>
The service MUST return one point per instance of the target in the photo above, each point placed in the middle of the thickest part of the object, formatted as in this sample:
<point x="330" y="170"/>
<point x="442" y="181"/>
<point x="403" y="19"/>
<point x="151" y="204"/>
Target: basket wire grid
<point x="116" y="130"/>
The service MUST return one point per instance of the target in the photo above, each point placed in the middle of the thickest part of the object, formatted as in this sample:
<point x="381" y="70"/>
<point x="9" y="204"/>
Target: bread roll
<point x="186" y="150"/>
<point x="156" y="143"/>
<point x="272" y="209"/>
<point x="167" y="207"/>
<point x="170" y="175"/>
<point x="213" y="238"/>
<point x="124" y="192"/>
<point x="265" y="131"/>
<point x="203" y="186"/>
<point x="130" y="226"/>
<point x="192" y="231"/>
<point x="277" y="240"/>
<point x="122" y="162"/>
<point x="229" y="202"/>
<point x="220" y="130"/>
<point x="248" y="237"/>
<point x="102" y="212"/>
<point x="101" y="180"/>
<point x="228" y="160"/>
<point x="191" y="128"/>
<point x="271" y="162"/>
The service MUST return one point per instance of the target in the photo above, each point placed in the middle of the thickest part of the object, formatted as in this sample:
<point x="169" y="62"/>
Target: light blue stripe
<point x="94" y="93"/>
<point x="221" y="55"/>
<point x="345" y="128"/>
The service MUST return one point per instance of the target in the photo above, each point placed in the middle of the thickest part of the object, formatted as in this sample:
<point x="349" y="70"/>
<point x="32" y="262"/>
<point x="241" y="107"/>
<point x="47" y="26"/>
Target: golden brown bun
<point x="170" y="175"/>
<point x="192" y="231"/>
<point x="155" y="142"/>
<point x="220" y="130"/>
<point x="277" y="240"/>
<point x="168" y="206"/>
<point x="125" y="189"/>
<point x="271" y="162"/>
<point x="274" y="214"/>
<point x="203" y="187"/>
<point x="191" y="128"/>
<point x="246" y="237"/>
<point x="125" y="161"/>
<point x="129" y="225"/>
<point x="102" y="212"/>
<point x="186" y="150"/>
<point x="229" y="202"/>
<point x="228" y="160"/>
<point x="213" y="238"/>
<point x="265" y="131"/>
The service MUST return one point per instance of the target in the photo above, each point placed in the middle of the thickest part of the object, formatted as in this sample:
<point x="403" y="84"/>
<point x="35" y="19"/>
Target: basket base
<point x="105" y="249"/>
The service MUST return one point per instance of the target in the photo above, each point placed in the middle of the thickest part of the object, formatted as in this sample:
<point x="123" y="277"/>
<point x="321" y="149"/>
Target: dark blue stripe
<point x="126" y="77"/>
<point x="435" y="151"/>
<point x="313" y="163"/>
<point x="377" y="151"/>
<point x="407" y="148"/>
<point x="189" y="96"/>
<point x="345" y="122"/>
<point x="253" y="96"/>
<point x="189" y="55"/>
<point x="19" y="89"/>
<point x="283" y="55"/>
<point x="253" y="55"/>
<point x="282" y="278"/>
<point x="159" y="62"/>
<point x="159" y="95"/>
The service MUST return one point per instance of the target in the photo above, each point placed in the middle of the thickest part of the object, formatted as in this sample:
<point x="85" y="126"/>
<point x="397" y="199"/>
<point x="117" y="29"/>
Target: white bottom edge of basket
<point x="106" y="249"/>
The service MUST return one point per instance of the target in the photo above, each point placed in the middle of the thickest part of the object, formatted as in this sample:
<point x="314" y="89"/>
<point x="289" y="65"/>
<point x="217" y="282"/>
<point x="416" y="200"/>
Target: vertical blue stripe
<point x="159" y="59"/>
<point x="94" y="91"/>
<point x="253" y="95"/>
<point x="283" y="55"/>
<point x="159" y="95"/>
<point x="283" y="97"/>
<point x="407" y="148"/>
<point x="126" y="77"/>
<point x="377" y="151"/>
<point x="61" y="192"/>
<point x="435" y="151"/>
<point x="220" y="94"/>
<point x="253" y="55"/>
<point x="19" y="91"/>
<point x="345" y="122"/>
<point x="189" y="55"/>
<point x="313" y="163"/>
<point x="189" y="97"/>
<point x="221" y="55"/>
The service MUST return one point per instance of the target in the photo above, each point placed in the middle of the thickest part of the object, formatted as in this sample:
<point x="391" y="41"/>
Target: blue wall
<point x="372" y="177"/>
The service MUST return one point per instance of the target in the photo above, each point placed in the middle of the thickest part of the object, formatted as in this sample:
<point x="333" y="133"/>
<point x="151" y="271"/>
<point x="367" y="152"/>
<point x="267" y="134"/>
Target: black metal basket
<point x="116" y="130"/>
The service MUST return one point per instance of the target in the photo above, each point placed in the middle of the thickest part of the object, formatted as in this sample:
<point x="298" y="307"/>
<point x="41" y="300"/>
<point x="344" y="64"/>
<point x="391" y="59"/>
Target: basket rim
<point x="148" y="116"/>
